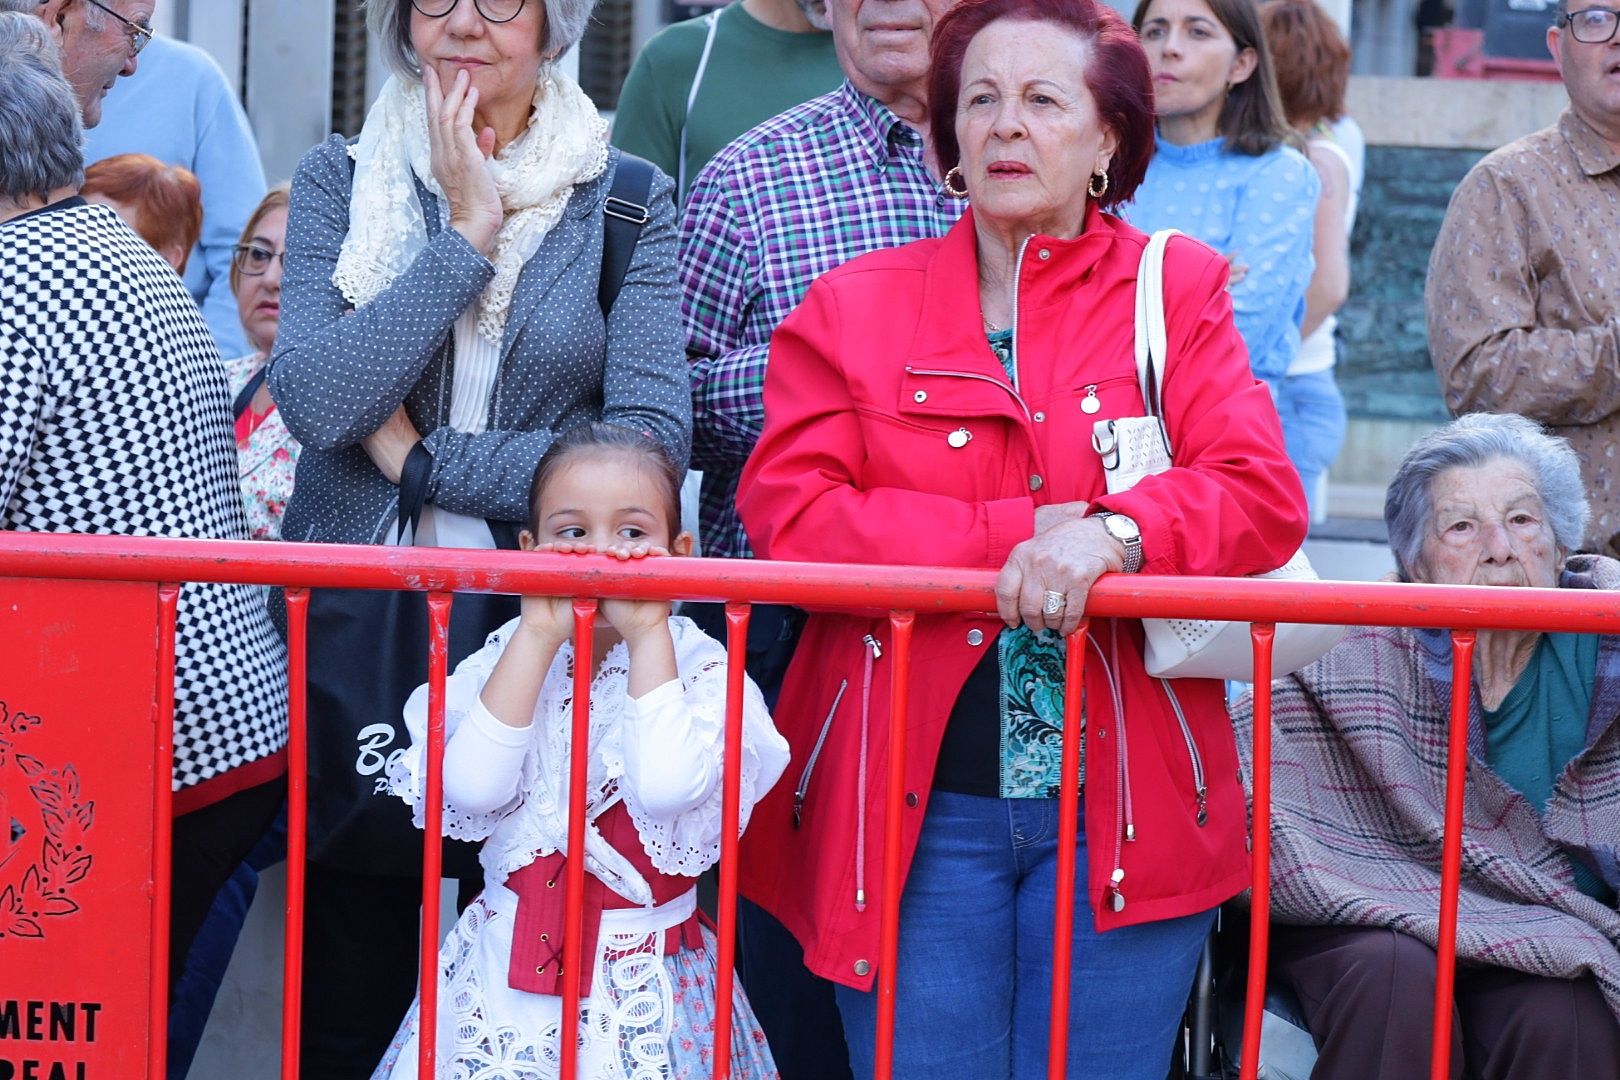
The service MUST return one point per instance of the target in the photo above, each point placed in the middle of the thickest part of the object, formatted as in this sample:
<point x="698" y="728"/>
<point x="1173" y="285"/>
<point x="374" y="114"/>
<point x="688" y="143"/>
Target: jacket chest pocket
<point x="1063" y="423"/>
<point x="951" y="434"/>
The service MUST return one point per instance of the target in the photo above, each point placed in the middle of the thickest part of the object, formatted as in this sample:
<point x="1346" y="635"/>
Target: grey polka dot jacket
<point x="337" y="373"/>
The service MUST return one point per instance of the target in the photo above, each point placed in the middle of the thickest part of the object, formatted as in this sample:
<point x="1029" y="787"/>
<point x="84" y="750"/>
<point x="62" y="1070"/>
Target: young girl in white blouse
<point x="653" y="804"/>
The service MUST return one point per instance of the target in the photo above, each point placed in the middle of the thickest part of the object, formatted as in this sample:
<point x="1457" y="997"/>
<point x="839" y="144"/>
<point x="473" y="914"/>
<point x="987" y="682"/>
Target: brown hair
<point x="598" y="438"/>
<point x="280" y="195"/>
<point x="1252" y="120"/>
<point x="1313" y="60"/>
<point x="167" y="199"/>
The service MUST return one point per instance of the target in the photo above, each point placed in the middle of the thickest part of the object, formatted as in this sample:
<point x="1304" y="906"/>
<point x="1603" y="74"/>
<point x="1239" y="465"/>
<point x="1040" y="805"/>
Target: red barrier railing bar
<point x="1263" y="635"/>
<point x="427" y="1015"/>
<point x="730" y="826"/>
<point x="836" y="585"/>
<point x="292" y="964"/>
<point x="900" y="625"/>
<point x="168" y="596"/>
<point x="1057" y="1053"/>
<point x="1462" y="675"/>
<point x="574" y="863"/>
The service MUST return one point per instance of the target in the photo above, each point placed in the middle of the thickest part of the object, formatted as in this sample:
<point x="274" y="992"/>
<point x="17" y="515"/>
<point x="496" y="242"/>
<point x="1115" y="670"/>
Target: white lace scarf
<point x="564" y="145"/>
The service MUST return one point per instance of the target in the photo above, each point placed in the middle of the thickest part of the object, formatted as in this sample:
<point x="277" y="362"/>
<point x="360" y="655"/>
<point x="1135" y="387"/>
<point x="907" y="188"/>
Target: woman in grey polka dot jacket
<point x="440" y="289"/>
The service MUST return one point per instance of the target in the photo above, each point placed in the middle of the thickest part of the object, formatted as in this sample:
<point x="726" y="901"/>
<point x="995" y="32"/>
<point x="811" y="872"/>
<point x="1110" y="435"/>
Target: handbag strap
<point x="413" y="485"/>
<point x="623" y="216"/>
<point x="245" y="398"/>
<point x="1152" y="341"/>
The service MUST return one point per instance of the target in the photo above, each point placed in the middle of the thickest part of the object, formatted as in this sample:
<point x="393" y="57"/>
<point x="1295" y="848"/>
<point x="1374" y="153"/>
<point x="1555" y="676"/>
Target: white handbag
<point x="1136" y="446"/>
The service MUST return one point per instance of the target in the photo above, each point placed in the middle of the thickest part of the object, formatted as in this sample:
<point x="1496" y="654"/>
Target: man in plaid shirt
<point x="841" y="175"/>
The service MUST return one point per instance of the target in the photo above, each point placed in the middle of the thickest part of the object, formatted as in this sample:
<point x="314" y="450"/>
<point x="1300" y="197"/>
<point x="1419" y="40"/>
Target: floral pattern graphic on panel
<point x="43" y="822"/>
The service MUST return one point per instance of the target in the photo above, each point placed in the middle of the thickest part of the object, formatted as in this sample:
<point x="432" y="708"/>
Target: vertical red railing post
<point x="163" y="831"/>
<point x="292" y="965"/>
<point x="432" y="834"/>
<point x="574" y="865"/>
<point x="1057" y="1053"/>
<point x="730" y="815"/>
<point x="900" y="626"/>
<point x="1263" y="636"/>
<point x="1462" y="674"/>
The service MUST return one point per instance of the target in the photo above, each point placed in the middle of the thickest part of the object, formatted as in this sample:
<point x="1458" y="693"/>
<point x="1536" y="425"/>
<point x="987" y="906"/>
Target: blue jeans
<point x="975" y="969"/>
<point x="1313" y="423"/>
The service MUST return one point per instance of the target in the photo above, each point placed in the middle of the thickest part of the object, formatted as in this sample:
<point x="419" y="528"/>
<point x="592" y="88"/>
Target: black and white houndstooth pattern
<point x="115" y="418"/>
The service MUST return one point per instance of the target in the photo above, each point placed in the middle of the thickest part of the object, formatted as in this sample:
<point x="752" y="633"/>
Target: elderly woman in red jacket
<point x="934" y="404"/>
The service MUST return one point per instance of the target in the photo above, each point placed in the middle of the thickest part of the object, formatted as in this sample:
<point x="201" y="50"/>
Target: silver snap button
<point x="920" y="396"/>
<point x="1044" y="254"/>
<point x="1036" y="483"/>
<point x="1040" y="417"/>
<point x="862" y="967"/>
<point x="975" y="636"/>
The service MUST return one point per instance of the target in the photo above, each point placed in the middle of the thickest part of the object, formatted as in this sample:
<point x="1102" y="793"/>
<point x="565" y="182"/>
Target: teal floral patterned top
<point x="1032" y="674"/>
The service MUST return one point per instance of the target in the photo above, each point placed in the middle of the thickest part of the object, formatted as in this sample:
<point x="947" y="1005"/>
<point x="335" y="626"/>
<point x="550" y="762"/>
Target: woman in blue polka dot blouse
<point x="1223" y="170"/>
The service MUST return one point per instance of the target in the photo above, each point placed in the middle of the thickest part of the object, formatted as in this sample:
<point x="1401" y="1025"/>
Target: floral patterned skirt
<point x="649" y="1016"/>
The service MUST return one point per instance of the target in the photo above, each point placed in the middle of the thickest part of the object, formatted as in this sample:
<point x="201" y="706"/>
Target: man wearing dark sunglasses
<point x="1523" y="303"/>
<point x="99" y="40"/>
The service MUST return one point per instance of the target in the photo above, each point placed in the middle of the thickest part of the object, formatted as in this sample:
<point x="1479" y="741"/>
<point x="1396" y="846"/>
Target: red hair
<point x="1311" y="57"/>
<point x="1117" y="77"/>
<point x="167" y="199"/>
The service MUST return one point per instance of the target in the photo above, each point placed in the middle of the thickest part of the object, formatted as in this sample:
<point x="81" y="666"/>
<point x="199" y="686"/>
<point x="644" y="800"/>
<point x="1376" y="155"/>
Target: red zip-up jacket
<point x="873" y="382"/>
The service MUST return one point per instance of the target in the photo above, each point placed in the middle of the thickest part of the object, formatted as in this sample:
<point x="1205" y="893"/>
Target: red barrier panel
<point x="85" y="727"/>
<point x="902" y="591"/>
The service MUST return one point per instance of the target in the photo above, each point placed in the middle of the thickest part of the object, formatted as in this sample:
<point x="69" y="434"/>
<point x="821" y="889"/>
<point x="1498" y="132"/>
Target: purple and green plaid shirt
<point x="795" y="197"/>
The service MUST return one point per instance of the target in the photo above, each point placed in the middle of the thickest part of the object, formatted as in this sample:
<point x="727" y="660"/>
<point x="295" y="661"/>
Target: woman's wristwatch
<point x="1125" y="530"/>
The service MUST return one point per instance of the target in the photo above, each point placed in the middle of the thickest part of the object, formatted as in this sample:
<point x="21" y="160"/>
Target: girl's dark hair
<point x="1116" y="74"/>
<point x="1252" y="120"/>
<point x="596" y="437"/>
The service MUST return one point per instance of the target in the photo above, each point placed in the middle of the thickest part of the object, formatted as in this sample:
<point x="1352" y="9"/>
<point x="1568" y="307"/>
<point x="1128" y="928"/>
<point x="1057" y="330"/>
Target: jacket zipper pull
<point x="877" y="650"/>
<point x="1114" y="891"/>
<point x="1203" y="806"/>
<point x="1090" y="405"/>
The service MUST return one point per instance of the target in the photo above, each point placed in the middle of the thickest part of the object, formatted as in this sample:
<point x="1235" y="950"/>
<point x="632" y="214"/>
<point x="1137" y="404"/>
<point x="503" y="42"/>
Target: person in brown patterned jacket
<point x="1524" y="281"/>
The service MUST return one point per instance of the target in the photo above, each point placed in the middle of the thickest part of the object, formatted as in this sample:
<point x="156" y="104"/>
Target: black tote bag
<point x="368" y="651"/>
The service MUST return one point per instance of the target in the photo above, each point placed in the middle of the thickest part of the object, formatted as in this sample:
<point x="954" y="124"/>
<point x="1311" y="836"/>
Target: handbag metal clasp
<point x="1106" y="443"/>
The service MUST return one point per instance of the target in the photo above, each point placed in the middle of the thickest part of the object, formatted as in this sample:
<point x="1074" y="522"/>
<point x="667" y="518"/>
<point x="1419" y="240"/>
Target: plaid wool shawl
<point x="1358" y="807"/>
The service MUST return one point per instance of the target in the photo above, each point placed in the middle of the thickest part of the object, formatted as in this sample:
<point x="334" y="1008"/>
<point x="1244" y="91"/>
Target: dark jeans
<point x="974" y="975"/>
<point x="209" y="844"/>
<point x="192" y="1000"/>
<point x="1368" y="997"/>
<point x="360" y="959"/>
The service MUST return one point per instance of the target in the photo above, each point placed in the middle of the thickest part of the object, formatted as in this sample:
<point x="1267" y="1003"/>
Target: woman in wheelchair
<point x="1359" y="781"/>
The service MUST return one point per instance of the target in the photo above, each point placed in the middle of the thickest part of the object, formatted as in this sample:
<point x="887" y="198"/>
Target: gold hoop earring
<point x="1091" y="187"/>
<point x="956" y="171"/>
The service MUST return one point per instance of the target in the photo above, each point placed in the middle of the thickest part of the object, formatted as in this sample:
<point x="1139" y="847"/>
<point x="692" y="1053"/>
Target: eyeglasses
<point x="495" y="11"/>
<point x="251" y="260"/>
<point x="1593" y="26"/>
<point x="139" y="36"/>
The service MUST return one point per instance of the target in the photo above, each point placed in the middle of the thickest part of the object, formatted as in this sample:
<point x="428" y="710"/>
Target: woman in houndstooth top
<point x="114" y="419"/>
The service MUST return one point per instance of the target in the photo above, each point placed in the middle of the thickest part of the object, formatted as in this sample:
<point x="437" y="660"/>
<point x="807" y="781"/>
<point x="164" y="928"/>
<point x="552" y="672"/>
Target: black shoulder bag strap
<point x="243" y="399"/>
<point x="623" y="216"/>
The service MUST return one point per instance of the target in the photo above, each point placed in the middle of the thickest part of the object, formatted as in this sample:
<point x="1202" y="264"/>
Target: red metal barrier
<point x="905" y="592"/>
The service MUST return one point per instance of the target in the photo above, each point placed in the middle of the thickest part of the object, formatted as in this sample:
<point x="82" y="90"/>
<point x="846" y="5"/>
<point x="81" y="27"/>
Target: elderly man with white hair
<point x="99" y="39"/>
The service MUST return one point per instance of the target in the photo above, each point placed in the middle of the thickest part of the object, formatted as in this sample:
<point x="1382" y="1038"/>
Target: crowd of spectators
<point x="885" y="300"/>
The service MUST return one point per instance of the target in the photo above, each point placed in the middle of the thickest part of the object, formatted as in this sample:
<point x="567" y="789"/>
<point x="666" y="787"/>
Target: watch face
<point x="1122" y="527"/>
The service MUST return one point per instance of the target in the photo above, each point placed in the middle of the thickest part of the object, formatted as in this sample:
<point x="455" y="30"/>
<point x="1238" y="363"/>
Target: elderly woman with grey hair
<point x="1359" y="768"/>
<point x="441" y="318"/>
<point x="114" y="419"/>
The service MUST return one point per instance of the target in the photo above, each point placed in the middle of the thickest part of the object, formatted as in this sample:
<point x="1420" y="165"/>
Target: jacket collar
<point x="1596" y="156"/>
<point x="948" y="333"/>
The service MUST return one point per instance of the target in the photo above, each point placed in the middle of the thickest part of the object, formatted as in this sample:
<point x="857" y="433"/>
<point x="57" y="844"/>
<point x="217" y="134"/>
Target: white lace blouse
<point x="660" y="754"/>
